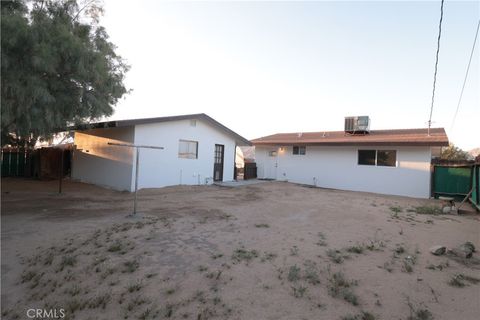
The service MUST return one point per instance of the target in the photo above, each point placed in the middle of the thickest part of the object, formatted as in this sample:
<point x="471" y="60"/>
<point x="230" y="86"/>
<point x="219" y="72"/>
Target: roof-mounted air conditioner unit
<point x="359" y="124"/>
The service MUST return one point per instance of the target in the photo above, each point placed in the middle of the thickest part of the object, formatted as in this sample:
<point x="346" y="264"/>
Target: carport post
<point x="60" y="176"/>
<point x="137" y="161"/>
<point x="136" y="181"/>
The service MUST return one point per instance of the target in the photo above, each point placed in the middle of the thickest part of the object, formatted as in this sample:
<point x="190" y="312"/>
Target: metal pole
<point x="136" y="181"/>
<point x="137" y="161"/>
<point x="133" y="145"/>
<point x="60" y="178"/>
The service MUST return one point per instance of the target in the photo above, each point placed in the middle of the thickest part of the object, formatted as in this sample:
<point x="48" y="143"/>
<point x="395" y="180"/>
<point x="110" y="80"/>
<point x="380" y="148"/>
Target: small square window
<point x="299" y="150"/>
<point x="188" y="149"/>
<point x="386" y="158"/>
<point x="366" y="157"/>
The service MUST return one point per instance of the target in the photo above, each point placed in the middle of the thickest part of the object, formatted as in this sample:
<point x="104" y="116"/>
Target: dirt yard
<point x="267" y="251"/>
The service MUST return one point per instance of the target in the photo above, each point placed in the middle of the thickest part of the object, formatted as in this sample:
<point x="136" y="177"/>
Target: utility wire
<point x="436" y="67"/>
<point x="466" y="76"/>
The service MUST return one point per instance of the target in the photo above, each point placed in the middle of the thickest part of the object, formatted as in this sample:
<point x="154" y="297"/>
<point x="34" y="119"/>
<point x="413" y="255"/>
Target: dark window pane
<point x="366" y="157"/>
<point x="387" y="158"/>
<point x="299" y="150"/>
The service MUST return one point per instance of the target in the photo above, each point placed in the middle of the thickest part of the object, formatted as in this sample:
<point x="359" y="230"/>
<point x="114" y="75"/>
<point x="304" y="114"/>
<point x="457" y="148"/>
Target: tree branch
<point x="83" y="8"/>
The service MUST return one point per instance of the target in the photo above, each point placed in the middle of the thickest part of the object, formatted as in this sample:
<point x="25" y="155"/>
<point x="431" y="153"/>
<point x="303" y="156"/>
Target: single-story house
<point x="197" y="150"/>
<point x="396" y="162"/>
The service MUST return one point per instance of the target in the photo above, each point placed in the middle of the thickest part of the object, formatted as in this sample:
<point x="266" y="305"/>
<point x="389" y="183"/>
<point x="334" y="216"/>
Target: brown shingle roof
<point x="395" y="137"/>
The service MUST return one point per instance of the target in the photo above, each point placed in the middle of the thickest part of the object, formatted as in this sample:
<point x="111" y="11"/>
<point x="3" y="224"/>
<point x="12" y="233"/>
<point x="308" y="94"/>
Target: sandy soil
<point x="264" y="251"/>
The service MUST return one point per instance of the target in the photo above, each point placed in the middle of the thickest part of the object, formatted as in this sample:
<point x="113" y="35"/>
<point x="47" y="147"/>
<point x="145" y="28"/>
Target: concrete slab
<point x="239" y="183"/>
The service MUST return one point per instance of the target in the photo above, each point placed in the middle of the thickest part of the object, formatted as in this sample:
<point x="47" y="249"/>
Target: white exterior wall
<point x="337" y="167"/>
<point x="159" y="168"/>
<point x="94" y="161"/>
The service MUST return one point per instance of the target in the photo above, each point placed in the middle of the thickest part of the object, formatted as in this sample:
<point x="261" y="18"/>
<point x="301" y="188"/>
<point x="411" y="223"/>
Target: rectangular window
<point x="382" y="158"/>
<point x="366" y="157"/>
<point x="386" y="158"/>
<point x="300" y="150"/>
<point x="188" y="149"/>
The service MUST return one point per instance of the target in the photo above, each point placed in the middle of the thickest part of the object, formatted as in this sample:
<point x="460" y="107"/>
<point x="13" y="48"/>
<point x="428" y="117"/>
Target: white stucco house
<point x="395" y="162"/>
<point x="197" y="150"/>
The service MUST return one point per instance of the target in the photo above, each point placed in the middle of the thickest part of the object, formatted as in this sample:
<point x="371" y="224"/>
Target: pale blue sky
<point x="267" y="67"/>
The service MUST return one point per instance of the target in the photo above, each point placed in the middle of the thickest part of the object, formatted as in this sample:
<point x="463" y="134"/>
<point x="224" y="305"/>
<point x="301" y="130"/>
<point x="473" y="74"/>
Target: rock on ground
<point x="438" y="250"/>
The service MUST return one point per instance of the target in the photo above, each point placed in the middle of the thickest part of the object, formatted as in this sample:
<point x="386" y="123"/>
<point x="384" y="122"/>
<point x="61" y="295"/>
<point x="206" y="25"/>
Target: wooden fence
<point x="250" y="170"/>
<point x="44" y="163"/>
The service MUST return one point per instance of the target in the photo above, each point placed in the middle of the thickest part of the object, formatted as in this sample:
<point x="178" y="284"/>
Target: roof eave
<point x="353" y="144"/>
<point x="239" y="140"/>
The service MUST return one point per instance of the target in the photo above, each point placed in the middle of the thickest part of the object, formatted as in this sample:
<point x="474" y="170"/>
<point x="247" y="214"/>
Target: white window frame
<point x="192" y="149"/>
<point x="376" y="158"/>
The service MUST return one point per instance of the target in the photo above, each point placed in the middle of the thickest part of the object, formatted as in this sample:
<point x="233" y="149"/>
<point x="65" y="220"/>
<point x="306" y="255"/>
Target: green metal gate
<point x="15" y="163"/>
<point x="452" y="181"/>
<point x="475" y="198"/>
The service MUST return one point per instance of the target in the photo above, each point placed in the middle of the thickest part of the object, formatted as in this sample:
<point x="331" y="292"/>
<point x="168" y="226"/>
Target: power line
<point x="466" y="76"/>
<point x="436" y="67"/>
